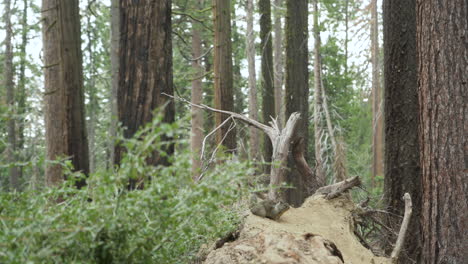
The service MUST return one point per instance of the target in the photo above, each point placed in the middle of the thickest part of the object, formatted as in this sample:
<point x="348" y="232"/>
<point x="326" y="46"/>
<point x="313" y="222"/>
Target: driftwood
<point x="334" y="190"/>
<point x="281" y="140"/>
<point x="403" y="229"/>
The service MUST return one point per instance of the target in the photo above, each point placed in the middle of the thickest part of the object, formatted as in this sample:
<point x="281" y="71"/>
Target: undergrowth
<point x="166" y="222"/>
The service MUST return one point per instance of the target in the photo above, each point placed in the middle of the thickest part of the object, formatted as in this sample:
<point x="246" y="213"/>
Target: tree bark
<point x="223" y="78"/>
<point x="253" y="108"/>
<point x="319" y="166"/>
<point x="268" y="90"/>
<point x="197" y="97"/>
<point x="377" y="120"/>
<point x="114" y="57"/>
<point x="442" y="43"/>
<point x="145" y="69"/>
<point x="10" y="98"/>
<point x="297" y="89"/>
<point x="278" y="62"/>
<point x="402" y="169"/>
<point x="64" y="99"/>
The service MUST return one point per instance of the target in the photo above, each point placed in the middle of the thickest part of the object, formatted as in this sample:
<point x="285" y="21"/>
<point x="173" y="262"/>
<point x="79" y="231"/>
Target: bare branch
<point x="268" y="130"/>
<point x="403" y="229"/>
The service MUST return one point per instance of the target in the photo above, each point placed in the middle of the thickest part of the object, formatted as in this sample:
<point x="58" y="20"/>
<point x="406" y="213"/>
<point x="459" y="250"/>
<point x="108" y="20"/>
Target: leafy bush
<point x="166" y="222"/>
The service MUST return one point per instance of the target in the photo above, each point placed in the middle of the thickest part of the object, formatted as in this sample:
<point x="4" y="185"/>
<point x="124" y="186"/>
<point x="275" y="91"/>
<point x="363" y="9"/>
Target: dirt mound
<point x="320" y="231"/>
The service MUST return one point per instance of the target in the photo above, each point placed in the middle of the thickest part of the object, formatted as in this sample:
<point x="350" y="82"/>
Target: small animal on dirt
<point x="267" y="208"/>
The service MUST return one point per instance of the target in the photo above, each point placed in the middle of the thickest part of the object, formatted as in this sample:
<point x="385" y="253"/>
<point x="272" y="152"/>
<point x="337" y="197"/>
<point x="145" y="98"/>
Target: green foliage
<point x="166" y="222"/>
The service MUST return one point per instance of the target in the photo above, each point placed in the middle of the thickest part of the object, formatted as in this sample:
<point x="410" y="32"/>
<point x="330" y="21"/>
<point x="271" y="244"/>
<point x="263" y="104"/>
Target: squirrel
<point x="267" y="207"/>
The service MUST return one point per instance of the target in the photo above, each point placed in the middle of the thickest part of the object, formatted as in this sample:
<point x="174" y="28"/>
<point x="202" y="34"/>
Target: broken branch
<point x="334" y="190"/>
<point x="403" y="229"/>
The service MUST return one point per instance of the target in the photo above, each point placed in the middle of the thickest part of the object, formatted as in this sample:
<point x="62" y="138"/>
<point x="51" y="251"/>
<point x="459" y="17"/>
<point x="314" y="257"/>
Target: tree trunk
<point x="21" y="90"/>
<point x="268" y="90"/>
<point x="319" y="166"/>
<point x="278" y="62"/>
<point x="10" y="98"/>
<point x="253" y="108"/>
<point x="64" y="100"/>
<point x="441" y="35"/>
<point x="196" y="138"/>
<point x="92" y="106"/>
<point x="402" y="170"/>
<point x="297" y="89"/>
<point x="145" y="69"/>
<point x="223" y="78"/>
<point x="114" y="57"/>
<point x="377" y="120"/>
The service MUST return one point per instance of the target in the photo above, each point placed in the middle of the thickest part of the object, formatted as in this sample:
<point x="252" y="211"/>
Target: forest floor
<point x="320" y="231"/>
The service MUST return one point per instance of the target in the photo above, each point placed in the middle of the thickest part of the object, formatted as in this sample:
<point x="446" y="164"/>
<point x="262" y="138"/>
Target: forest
<point x="234" y="131"/>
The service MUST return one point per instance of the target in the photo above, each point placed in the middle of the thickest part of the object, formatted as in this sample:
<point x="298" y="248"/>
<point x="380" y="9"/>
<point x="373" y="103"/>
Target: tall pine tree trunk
<point x="145" y="69"/>
<point x="64" y="99"/>
<point x="268" y="90"/>
<point x="223" y="78"/>
<point x="10" y="98"/>
<point x="253" y="108"/>
<point x="114" y="57"/>
<point x="297" y="89"/>
<point x="278" y="62"/>
<point x="377" y="113"/>
<point x="196" y="138"/>
<point x="318" y="128"/>
<point x="402" y="170"/>
<point x="442" y="46"/>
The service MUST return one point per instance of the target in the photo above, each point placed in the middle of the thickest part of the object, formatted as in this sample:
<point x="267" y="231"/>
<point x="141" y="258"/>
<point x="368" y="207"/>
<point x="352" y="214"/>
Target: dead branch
<point x="281" y="140"/>
<point x="334" y="190"/>
<point x="268" y="130"/>
<point x="403" y="229"/>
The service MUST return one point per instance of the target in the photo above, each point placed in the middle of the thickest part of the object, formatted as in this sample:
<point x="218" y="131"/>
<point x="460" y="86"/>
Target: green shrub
<point x="166" y="222"/>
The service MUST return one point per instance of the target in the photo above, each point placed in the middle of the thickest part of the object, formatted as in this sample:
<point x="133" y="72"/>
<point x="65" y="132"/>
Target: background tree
<point x="377" y="113"/>
<point x="297" y="89"/>
<point x="21" y="86"/>
<point x="267" y="80"/>
<point x="145" y="68"/>
<point x="196" y="139"/>
<point x="318" y="108"/>
<point x="402" y="170"/>
<point x="10" y="98"/>
<point x="278" y="60"/>
<point x="253" y="109"/>
<point x="223" y="78"/>
<point x="114" y="60"/>
<point x="64" y="103"/>
<point x="443" y="92"/>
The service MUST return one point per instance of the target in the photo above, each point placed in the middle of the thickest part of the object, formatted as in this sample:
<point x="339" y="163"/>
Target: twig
<point x="211" y="133"/>
<point x="231" y="127"/>
<point x="404" y="228"/>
